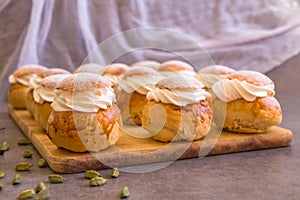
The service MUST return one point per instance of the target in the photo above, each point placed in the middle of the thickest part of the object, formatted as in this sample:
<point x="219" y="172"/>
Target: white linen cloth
<point x="250" y="34"/>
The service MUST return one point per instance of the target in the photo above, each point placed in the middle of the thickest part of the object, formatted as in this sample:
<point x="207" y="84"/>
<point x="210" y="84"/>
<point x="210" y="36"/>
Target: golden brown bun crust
<point x="175" y="65"/>
<point x="52" y="71"/>
<point x="179" y="81"/>
<point x="195" y="121"/>
<point x="83" y="81"/>
<point x="137" y="103"/>
<point x="30" y="102"/>
<point x="116" y="69"/>
<point x="80" y="132"/>
<point x="42" y="113"/>
<point x="53" y="80"/>
<point x="217" y="70"/>
<point x="17" y="95"/>
<point x="251" y="117"/>
<point x="29" y="69"/>
<point x="253" y="77"/>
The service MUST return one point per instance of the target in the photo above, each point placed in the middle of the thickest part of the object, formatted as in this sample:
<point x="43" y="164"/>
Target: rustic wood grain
<point x="130" y="150"/>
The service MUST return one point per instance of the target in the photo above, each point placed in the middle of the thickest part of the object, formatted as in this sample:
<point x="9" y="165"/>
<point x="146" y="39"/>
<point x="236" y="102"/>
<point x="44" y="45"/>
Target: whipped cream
<point x="35" y="82"/>
<point x="24" y="80"/>
<point x="209" y="79"/>
<point x="42" y="94"/>
<point x="230" y="90"/>
<point x="179" y="97"/>
<point x="83" y="101"/>
<point x="112" y="78"/>
<point x="141" y="84"/>
<point x="182" y="72"/>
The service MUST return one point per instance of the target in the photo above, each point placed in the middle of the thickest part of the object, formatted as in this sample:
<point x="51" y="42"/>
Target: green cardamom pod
<point x="5" y="146"/>
<point x="17" y="179"/>
<point x="43" y="195"/>
<point x="55" y="178"/>
<point x="42" y="163"/>
<point x="89" y="174"/>
<point x="125" y="192"/>
<point x="115" y="172"/>
<point x="97" y="181"/>
<point x="23" y="166"/>
<point x="41" y="186"/>
<point x="23" y="141"/>
<point x="2" y="174"/>
<point x="26" y="194"/>
<point x="27" y="154"/>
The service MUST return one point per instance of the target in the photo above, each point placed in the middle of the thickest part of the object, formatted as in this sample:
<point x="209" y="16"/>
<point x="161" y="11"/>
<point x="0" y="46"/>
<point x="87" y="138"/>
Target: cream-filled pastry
<point x="19" y="80"/>
<point x="250" y="103"/>
<point x="43" y="96"/>
<point x="173" y="67"/>
<point x="211" y="74"/>
<point x="182" y="105"/>
<point x="84" y="117"/>
<point x="35" y="82"/>
<point x="132" y="91"/>
<point x="114" y="72"/>
<point x="147" y="63"/>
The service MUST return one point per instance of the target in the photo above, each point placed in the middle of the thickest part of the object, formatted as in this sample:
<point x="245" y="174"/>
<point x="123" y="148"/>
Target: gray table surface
<point x="263" y="174"/>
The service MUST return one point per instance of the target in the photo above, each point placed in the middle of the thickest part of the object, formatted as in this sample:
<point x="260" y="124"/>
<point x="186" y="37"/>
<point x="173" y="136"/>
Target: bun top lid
<point x="52" y="71"/>
<point x="141" y="71"/>
<point x="253" y="77"/>
<point x="29" y="69"/>
<point x="179" y="82"/>
<point x="116" y="69"/>
<point x="175" y="65"/>
<point x="216" y="70"/>
<point x="83" y="81"/>
<point x="90" y="68"/>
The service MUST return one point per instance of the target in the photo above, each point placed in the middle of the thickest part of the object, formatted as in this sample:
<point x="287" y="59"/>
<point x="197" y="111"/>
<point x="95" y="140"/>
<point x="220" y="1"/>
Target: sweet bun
<point x="43" y="97"/>
<point x="132" y="90"/>
<point x="19" y="80"/>
<point x="84" y="116"/>
<point x="182" y="104"/>
<point x="250" y="103"/>
<point x="172" y="67"/>
<point x="34" y="82"/>
<point x="211" y="74"/>
<point x="115" y="71"/>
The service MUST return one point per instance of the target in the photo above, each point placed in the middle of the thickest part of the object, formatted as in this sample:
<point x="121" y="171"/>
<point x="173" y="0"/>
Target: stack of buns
<point x="85" y="111"/>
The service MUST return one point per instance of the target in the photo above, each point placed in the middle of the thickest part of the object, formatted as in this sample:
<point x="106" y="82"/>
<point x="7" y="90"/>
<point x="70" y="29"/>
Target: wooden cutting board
<point x="132" y="151"/>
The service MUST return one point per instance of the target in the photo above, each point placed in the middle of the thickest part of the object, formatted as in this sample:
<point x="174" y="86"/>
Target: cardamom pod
<point x="5" y="146"/>
<point x="89" y="174"/>
<point x="97" y="181"/>
<point x="115" y="172"/>
<point x="17" y="179"/>
<point x="26" y="194"/>
<point x="2" y="174"/>
<point x="42" y="163"/>
<point x="23" y="166"/>
<point x="55" y="178"/>
<point x="23" y="141"/>
<point x="43" y="195"/>
<point x="27" y="154"/>
<point x="125" y="192"/>
<point x="41" y="186"/>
